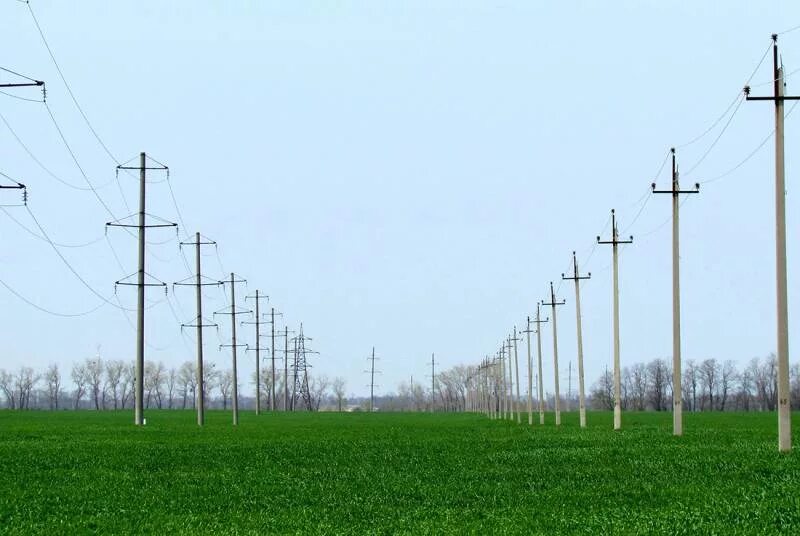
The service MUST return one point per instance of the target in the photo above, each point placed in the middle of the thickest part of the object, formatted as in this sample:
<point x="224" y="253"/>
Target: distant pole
<point x="372" y="372"/>
<point x="233" y="313"/>
<point x="516" y="372"/>
<point x="234" y="390"/>
<point x="677" y="394"/>
<point x="286" y="370"/>
<point x="576" y="277"/>
<point x="527" y="333"/>
<point x="433" y="382"/>
<point x="553" y="303"/>
<point x="540" y="390"/>
<point x="615" y="241"/>
<point x="258" y="357"/>
<point x="569" y="385"/>
<point x="198" y="324"/>
<point x="510" y="380"/>
<point x="272" y="406"/>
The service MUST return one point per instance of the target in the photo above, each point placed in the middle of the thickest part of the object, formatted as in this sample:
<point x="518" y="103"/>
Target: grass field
<point x="71" y="472"/>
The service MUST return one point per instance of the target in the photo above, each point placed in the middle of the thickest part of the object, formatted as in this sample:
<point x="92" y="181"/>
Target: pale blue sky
<point x="405" y="175"/>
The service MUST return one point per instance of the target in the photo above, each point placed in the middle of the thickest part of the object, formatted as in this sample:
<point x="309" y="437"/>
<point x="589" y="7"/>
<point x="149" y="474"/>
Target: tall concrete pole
<point x="201" y="397"/>
<point x="139" y="391"/>
<point x="528" y="331"/>
<point x="516" y="372"/>
<point x="504" y="412"/>
<point x="540" y="390"/>
<point x="784" y="414"/>
<point x="576" y="277"/>
<point x="272" y="348"/>
<point x="235" y="387"/>
<point x="286" y="370"/>
<point x="258" y="356"/>
<point x="511" y="402"/>
<point x="553" y="303"/>
<point x="677" y="392"/>
<point x="615" y="241"/>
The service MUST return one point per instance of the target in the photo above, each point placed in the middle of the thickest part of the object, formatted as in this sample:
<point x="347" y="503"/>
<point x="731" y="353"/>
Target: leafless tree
<point x="339" y="386"/>
<point x="317" y="388"/>
<point x="52" y="378"/>
<point x="728" y="376"/>
<point x="127" y="381"/>
<point x="94" y="372"/>
<point x="691" y="379"/>
<point x="745" y="395"/>
<point x="602" y="392"/>
<point x="225" y="384"/>
<point x="658" y="373"/>
<point x="187" y="382"/>
<point x="25" y="381"/>
<point x="7" y="386"/>
<point x="172" y="385"/>
<point x="114" y="372"/>
<point x="80" y="377"/>
<point x="794" y="377"/>
<point x="154" y="376"/>
<point x="639" y="384"/>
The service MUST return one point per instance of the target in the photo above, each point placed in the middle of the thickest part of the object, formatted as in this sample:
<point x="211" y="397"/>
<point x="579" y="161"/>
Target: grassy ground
<point x="72" y="472"/>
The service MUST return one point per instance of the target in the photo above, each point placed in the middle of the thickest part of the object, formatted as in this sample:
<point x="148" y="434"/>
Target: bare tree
<point x="94" y="372"/>
<point x="602" y="392"/>
<point x="114" y="372"/>
<point x="317" y="388"/>
<point x="745" y="395"/>
<point x="187" y="381"/>
<point x="225" y="384"/>
<point x="728" y="376"/>
<point x="154" y="376"/>
<point x="7" y="386"/>
<point x="127" y="381"/>
<point x="794" y="376"/>
<point x="658" y="373"/>
<point x="80" y="377"/>
<point x="53" y="379"/>
<point x="639" y="384"/>
<point x="339" y="386"/>
<point x="691" y="378"/>
<point x="765" y="377"/>
<point x="172" y="384"/>
<point x="25" y="381"/>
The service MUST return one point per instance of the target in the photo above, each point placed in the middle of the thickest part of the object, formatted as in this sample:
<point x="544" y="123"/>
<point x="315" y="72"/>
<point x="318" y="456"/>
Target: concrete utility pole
<point x="540" y="389"/>
<point x="140" y="278"/>
<point x="511" y="402"/>
<point x="784" y="411"/>
<point x="576" y="277"/>
<point x="506" y="401"/>
<point x="198" y="321"/>
<point x="285" y="336"/>
<point x="553" y="303"/>
<point x="233" y="312"/>
<point x="615" y="241"/>
<point x="516" y="369"/>
<point x="258" y="297"/>
<point x="372" y="373"/>
<point x="677" y="396"/>
<point x="433" y="381"/>
<point x="527" y="333"/>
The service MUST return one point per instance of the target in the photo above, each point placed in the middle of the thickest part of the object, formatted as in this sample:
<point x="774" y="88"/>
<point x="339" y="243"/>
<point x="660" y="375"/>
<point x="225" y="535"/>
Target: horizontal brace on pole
<point x="140" y="284"/>
<point x="198" y="243"/>
<point x="199" y="325"/>
<point x="142" y="226"/>
<point x="784" y="98"/>
<point x="15" y="187"/>
<point x="162" y="168"/>
<point x="195" y="284"/>
<point x="676" y="191"/>
<point x="24" y="84"/>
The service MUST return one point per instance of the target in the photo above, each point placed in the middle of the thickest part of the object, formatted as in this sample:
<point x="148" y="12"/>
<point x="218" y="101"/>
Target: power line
<point x="42" y="238"/>
<point x="48" y="311"/>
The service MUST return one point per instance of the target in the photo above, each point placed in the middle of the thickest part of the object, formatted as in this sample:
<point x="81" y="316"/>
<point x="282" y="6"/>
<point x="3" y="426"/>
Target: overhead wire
<point x="49" y="311"/>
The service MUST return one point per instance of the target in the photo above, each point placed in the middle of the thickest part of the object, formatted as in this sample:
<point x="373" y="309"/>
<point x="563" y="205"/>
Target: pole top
<point x="774" y="38"/>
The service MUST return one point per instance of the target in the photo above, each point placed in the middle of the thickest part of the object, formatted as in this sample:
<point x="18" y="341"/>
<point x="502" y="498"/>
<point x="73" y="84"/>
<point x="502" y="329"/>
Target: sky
<point x="403" y="175"/>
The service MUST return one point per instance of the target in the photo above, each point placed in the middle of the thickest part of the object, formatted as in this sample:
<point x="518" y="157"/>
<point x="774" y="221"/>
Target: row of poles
<point x="498" y="399"/>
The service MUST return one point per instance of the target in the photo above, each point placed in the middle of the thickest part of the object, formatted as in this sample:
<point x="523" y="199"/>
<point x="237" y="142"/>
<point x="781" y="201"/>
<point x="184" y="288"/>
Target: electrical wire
<point x="724" y="128"/>
<point x="40" y="237"/>
<point x="41" y="165"/>
<point x="7" y="94"/>
<point x="49" y="311"/>
<point x="68" y="265"/>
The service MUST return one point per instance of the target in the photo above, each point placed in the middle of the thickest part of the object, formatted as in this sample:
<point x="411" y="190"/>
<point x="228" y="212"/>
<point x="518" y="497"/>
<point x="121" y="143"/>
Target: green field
<point x="326" y="473"/>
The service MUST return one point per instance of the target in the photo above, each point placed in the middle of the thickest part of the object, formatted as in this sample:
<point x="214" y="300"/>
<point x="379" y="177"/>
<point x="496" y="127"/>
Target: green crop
<point x="325" y="473"/>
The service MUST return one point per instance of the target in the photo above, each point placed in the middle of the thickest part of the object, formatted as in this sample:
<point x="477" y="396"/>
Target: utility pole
<point x="372" y="373"/>
<point x="577" y="277"/>
<point x="257" y="350"/>
<point x="516" y="372"/>
<point x="433" y="381"/>
<point x="505" y="409"/>
<point x="527" y="331"/>
<point x="510" y="379"/>
<point x="615" y="241"/>
<point x="784" y="411"/>
<point x="540" y="390"/>
<point x="140" y="277"/>
<point x="285" y="336"/>
<point x="198" y="321"/>
<point x="677" y="394"/>
<point x="233" y="312"/>
<point x="553" y="303"/>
